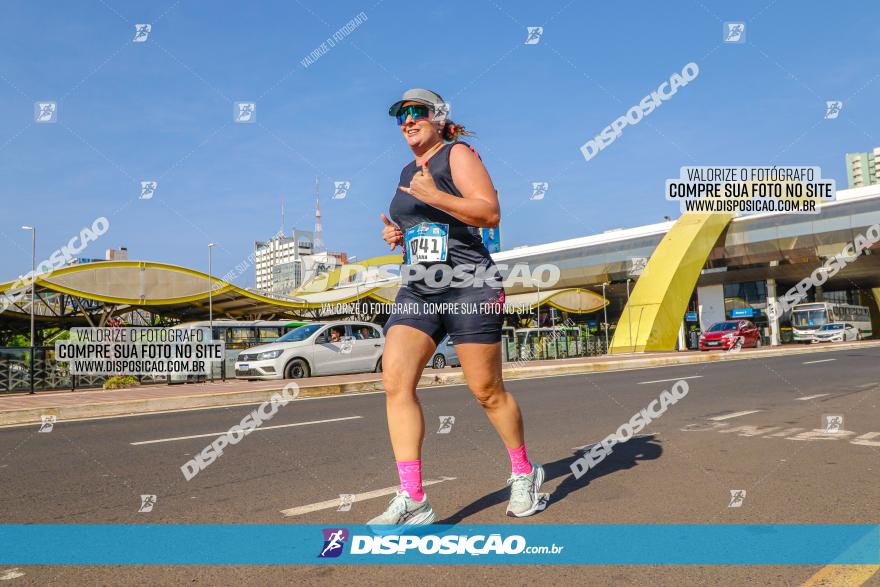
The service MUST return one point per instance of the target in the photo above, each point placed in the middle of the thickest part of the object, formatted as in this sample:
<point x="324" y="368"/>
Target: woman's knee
<point x="488" y="392"/>
<point x="397" y="386"/>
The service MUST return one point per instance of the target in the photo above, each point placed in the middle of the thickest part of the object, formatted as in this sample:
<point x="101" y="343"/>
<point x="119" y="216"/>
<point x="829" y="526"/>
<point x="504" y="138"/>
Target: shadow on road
<point x="624" y="456"/>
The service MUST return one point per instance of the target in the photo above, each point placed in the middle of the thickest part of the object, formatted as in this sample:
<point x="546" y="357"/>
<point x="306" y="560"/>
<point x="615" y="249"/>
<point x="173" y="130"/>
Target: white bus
<point x="807" y="318"/>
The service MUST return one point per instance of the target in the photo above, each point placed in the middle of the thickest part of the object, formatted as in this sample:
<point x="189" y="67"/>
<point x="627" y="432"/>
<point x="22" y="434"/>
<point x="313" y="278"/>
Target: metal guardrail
<point x="25" y="369"/>
<point x="559" y="347"/>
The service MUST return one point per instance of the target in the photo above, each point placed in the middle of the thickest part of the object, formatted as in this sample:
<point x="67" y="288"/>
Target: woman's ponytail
<point x="452" y="131"/>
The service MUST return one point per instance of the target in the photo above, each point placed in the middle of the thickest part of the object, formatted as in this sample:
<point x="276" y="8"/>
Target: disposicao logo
<point x="334" y="540"/>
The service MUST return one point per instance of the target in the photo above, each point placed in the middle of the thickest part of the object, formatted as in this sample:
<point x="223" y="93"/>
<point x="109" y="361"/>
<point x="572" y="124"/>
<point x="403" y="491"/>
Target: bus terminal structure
<point x="656" y="280"/>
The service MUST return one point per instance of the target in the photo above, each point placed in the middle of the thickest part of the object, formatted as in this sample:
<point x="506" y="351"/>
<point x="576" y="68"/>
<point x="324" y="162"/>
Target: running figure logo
<point x="340" y="189"/>
<point x="147" y="503"/>
<point x="734" y="32"/>
<point x="543" y="500"/>
<point x="446" y="423"/>
<point x="245" y="112"/>
<point x="47" y="423"/>
<point x="534" y="35"/>
<point x="148" y="190"/>
<point x="141" y="32"/>
<point x="832" y="109"/>
<point x="737" y="345"/>
<point x="334" y="540"/>
<point x="345" y="501"/>
<point x="45" y="112"/>
<point x="539" y="190"/>
<point x="441" y="112"/>
<point x="637" y="266"/>
<point x="737" y="497"/>
<point x="832" y="423"/>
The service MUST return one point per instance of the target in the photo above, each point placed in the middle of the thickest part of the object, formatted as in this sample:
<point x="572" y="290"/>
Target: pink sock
<point x="519" y="461"/>
<point x="411" y="478"/>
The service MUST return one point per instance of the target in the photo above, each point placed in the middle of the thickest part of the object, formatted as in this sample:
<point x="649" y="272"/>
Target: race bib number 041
<point x="427" y="242"/>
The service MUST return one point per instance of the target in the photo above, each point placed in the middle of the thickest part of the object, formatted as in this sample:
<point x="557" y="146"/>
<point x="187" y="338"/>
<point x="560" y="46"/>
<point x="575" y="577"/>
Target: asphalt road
<point x="744" y="425"/>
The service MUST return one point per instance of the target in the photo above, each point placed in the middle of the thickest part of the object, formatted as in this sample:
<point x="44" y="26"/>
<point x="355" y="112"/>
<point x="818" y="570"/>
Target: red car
<point x="723" y="335"/>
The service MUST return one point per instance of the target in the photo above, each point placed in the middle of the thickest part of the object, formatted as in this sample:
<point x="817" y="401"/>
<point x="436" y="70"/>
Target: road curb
<point x="150" y="405"/>
<point x="640" y="363"/>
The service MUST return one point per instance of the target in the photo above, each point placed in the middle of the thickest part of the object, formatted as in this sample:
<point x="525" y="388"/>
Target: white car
<point x="836" y="332"/>
<point x="318" y="348"/>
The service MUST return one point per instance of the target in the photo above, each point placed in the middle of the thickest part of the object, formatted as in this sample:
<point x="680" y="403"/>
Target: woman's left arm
<point x="478" y="205"/>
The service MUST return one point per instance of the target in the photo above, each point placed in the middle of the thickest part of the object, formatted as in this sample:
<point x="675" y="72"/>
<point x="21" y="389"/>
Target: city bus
<point x="238" y="335"/>
<point x="807" y="318"/>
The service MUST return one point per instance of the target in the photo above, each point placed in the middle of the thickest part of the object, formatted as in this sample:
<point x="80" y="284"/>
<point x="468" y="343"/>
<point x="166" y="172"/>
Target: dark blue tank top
<point x="464" y="244"/>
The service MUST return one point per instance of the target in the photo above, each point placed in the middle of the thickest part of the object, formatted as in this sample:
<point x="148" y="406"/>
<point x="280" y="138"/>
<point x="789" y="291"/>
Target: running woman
<point x="444" y="196"/>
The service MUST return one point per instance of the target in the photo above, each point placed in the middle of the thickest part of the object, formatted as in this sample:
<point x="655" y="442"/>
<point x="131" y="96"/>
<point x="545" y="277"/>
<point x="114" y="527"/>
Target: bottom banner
<point x="196" y="544"/>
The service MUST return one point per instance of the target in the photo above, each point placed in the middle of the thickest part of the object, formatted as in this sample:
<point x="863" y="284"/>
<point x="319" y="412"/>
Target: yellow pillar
<point x="875" y="313"/>
<point x="656" y="308"/>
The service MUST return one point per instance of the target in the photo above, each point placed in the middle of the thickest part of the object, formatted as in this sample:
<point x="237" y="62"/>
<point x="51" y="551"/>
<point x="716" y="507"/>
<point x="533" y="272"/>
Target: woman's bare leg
<point x="407" y="350"/>
<point x="482" y="370"/>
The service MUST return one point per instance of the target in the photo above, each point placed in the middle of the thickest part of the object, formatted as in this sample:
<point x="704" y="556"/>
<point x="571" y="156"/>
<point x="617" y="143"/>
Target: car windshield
<point x="832" y="327"/>
<point x="301" y="333"/>
<point x="808" y="318"/>
<point x="723" y="326"/>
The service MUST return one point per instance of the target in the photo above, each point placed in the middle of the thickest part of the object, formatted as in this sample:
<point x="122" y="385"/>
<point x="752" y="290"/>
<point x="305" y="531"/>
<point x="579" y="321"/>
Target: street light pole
<point x="210" y="290"/>
<point x="211" y="300"/>
<point x="605" y="312"/>
<point x="33" y="230"/>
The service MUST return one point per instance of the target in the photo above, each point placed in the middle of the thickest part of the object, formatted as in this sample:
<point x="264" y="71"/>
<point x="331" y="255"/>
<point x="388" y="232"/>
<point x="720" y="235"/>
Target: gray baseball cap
<point x="422" y="96"/>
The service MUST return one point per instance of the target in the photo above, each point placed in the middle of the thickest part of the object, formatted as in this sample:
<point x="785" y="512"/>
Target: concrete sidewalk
<point x="24" y="408"/>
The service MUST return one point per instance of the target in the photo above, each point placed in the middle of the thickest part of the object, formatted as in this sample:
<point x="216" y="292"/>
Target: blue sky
<point x="162" y="110"/>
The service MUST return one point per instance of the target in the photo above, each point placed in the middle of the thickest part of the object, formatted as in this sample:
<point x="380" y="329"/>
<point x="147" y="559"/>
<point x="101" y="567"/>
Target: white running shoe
<point x="403" y="511"/>
<point x="524" y="496"/>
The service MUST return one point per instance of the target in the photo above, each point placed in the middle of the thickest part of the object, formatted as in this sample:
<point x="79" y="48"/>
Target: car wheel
<point x="439" y="362"/>
<point x="378" y="368"/>
<point x="296" y="369"/>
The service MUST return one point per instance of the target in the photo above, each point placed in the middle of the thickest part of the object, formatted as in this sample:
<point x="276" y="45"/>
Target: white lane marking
<point x="809" y="397"/>
<point x="665" y="380"/>
<point x="733" y="415"/>
<point x="254" y="430"/>
<point x="10" y="574"/>
<point x="332" y="503"/>
<point x="814" y="362"/>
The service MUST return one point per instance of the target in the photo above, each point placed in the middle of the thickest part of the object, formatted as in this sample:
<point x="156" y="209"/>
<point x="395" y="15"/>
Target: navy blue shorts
<point x="466" y="314"/>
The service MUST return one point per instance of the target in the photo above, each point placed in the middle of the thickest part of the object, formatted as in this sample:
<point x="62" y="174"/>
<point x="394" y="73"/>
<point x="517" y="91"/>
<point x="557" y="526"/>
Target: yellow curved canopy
<point x="176" y="290"/>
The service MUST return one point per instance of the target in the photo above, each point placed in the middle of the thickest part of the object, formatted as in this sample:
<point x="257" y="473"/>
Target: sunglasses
<point x="417" y="111"/>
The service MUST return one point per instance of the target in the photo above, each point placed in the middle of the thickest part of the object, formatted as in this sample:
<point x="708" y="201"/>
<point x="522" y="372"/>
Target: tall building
<point x="284" y="263"/>
<point x="278" y="263"/>
<point x="863" y="169"/>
